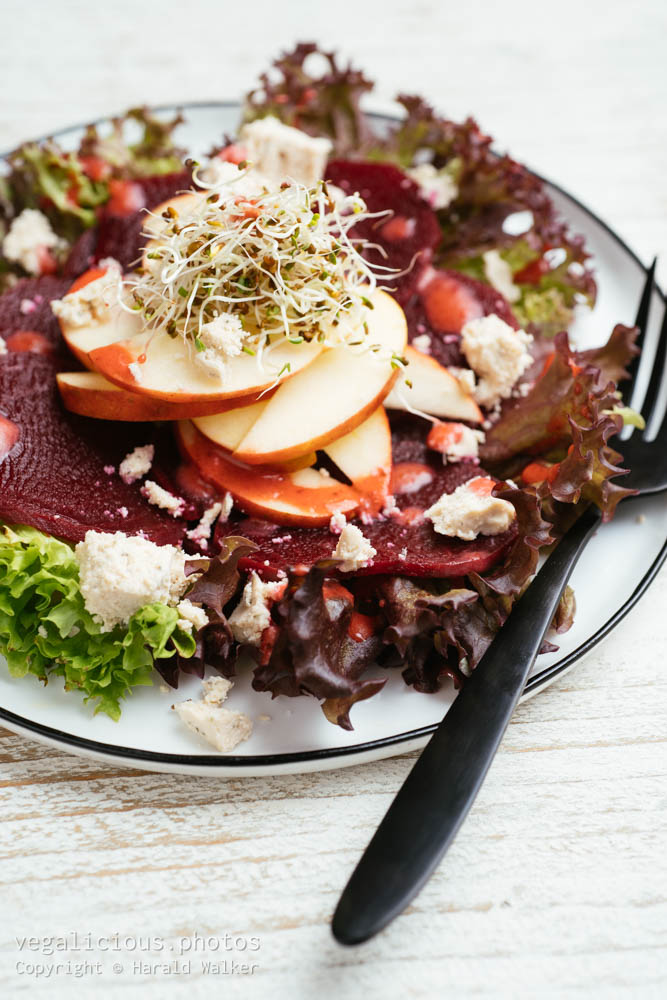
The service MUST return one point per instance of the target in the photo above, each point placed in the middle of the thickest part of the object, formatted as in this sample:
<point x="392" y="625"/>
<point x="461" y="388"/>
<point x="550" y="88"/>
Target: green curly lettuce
<point x="46" y="630"/>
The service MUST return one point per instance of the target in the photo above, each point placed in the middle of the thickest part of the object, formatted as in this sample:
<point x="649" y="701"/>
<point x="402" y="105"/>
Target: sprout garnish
<point x="280" y="263"/>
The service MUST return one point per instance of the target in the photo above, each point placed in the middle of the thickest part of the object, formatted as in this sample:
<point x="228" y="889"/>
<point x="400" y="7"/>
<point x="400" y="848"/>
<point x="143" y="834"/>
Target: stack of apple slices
<point x="258" y="434"/>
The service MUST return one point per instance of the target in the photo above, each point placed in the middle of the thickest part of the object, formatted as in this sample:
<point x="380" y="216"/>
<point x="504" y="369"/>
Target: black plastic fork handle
<point x="436" y="796"/>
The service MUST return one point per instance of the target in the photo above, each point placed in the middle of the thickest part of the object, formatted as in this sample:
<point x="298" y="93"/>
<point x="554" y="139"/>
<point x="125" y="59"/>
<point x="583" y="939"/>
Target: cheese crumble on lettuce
<point x="46" y="630"/>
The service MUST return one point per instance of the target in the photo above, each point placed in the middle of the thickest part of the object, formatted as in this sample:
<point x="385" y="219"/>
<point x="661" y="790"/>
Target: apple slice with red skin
<point x="119" y="324"/>
<point x="364" y="456"/>
<point x="434" y="390"/>
<point x="303" y="497"/>
<point x="91" y="395"/>
<point x="163" y="367"/>
<point x="335" y="394"/>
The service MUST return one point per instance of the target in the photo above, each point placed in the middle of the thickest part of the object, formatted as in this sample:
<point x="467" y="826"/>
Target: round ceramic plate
<point x="291" y="734"/>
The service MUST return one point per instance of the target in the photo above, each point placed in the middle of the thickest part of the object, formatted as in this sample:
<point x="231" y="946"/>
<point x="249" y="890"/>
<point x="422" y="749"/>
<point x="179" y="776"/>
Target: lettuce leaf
<point x="46" y="630"/>
<point x="62" y="185"/>
<point x="154" y="153"/>
<point x="567" y="419"/>
<point x="44" y="176"/>
<point x="315" y="654"/>
<point x="323" y="104"/>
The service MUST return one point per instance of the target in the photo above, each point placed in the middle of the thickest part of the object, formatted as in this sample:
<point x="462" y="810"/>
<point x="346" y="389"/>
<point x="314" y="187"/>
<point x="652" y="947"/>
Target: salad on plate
<point x="306" y="407"/>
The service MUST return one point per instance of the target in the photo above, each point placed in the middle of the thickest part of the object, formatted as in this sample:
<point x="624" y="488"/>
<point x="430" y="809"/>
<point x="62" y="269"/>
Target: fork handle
<point x="435" y="798"/>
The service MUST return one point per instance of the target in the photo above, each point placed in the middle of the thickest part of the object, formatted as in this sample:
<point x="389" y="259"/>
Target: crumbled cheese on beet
<point x="119" y="574"/>
<point x="162" y="498"/>
<point x="252" y="615"/>
<point x="353" y="549"/>
<point x="3" y="347"/>
<point x="467" y="513"/>
<point x="192" y="615"/>
<point x="422" y="343"/>
<point x="437" y="187"/>
<point x="136" y="464"/>
<point x="217" y="511"/>
<point x="455" y="441"/>
<point x="28" y="236"/>
<point x="498" y="354"/>
<point x="499" y="275"/>
<point x="220" y="727"/>
<point x="337" y="523"/>
<point x="279" y="151"/>
<point x="91" y="303"/>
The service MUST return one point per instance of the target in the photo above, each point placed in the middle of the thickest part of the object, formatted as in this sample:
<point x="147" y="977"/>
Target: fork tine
<point x="657" y="373"/>
<point x="641" y="321"/>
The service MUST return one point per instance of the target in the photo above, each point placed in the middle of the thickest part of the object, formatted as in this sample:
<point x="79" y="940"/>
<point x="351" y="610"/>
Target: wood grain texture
<point x="556" y="886"/>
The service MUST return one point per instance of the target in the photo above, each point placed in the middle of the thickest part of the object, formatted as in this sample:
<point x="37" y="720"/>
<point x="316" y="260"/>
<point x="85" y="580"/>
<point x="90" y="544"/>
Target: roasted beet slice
<point x="408" y="235"/>
<point x="26" y="309"/>
<point x="53" y="476"/>
<point x="443" y="302"/>
<point x="406" y="544"/>
<point x="403" y="549"/>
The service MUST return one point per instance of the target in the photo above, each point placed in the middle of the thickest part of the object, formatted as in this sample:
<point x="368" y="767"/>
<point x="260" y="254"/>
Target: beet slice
<point x="408" y="236"/>
<point x="53" y="476"/>
<point x="443" y="303"/>
<point x="406" y="544"/>
<point x="26" y="307"/>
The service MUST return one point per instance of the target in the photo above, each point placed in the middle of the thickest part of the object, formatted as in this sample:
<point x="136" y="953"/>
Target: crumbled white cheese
<point x="214" y="366"/>
<point x="459" y="442"/>
<point x="337" y="523"/>
<point x="499" y="275"/>
<point x="223" y="729"/>
<point x="91" y="303"/>
<point x="216" y="689"/>
<point x="422" y="343"/>
<point x="467" y="513"/>
<point x="162" y="498"/>
<point x="279" y="151"/>
<point x="466" y="379"/>
<point x="29" y="233"/>
<point x="220" y="510"/>
<point x="192" y="616"/>
<point x="252" y="614"/>
<point x="223" y="334"/>
<point x="119" y="574"/>
<point x="136" y="464"/>
<point x="3" y="346"/>
<point x="222" y="339"/>
<point x="498" y="354"/>
<point x="353" y="549"/>
<point x="436" y="186"/>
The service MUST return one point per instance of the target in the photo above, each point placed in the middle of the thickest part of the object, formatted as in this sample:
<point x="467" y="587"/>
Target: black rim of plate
<point x="213" y="761"/>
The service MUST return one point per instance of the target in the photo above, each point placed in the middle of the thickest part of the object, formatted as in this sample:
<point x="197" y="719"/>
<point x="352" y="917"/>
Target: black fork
<point x="443" y="784"/>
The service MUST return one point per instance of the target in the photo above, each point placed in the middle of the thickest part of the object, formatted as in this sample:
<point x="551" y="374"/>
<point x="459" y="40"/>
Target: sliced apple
<point x="304" y="497"/>
<point x="91" y="395"/>
<point x="117" y="324"/>
<point x="364" y="456"/>
<point x="182" y="204"/>
<point x="433" y="390"/>
<point x="335" y="394"/>
<point x="164" y="367"/>
<point x="228" y="429"/>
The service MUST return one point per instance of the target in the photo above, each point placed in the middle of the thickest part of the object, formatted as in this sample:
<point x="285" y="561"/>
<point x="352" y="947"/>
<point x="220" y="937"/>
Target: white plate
<point x="612" y="574"/>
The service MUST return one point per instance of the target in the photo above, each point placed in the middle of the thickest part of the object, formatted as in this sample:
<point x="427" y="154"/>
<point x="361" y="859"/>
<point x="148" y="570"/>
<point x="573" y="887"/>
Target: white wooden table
<point x="556" y="887"/>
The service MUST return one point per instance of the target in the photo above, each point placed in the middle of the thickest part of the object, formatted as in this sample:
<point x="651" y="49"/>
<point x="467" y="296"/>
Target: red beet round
<point x="54" y="478"/>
